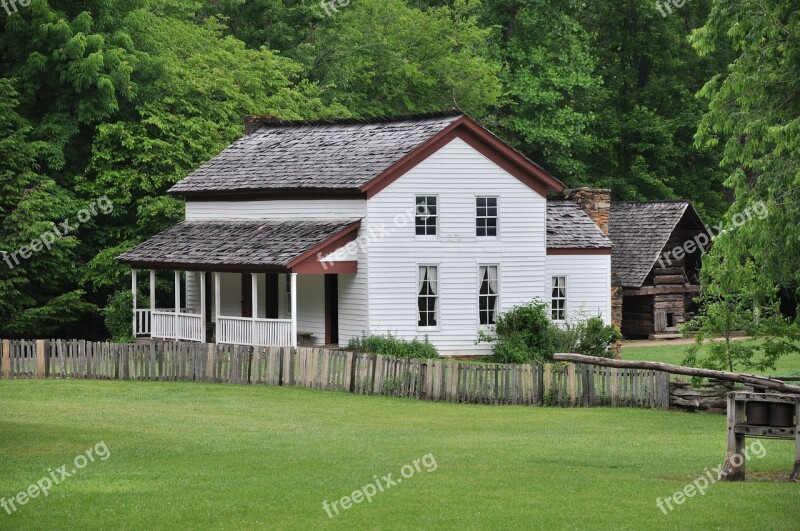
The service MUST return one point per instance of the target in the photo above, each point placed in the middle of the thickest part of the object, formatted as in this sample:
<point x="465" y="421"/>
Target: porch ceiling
<point x="246" y="245"/>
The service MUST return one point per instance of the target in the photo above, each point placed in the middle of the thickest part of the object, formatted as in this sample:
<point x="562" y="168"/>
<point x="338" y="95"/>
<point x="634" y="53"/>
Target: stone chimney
<point x="596" y="202"/>
<point x="254" y="122"/>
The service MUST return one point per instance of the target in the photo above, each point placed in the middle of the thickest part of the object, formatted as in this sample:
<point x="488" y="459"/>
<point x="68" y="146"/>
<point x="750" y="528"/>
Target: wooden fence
<point x="438" y="380"/>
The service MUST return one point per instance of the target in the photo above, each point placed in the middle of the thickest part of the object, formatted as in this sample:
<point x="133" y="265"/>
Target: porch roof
<point x="252" y="245"/>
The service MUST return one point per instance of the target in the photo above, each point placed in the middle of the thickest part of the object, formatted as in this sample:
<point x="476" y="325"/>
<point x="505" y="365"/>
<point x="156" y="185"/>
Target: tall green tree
<point x="647" y="112"/>
<point x="549" y="82"/>
<point x="37" y="272"/>
<point x="753" y="113"/>
<point x="383" y="57"/>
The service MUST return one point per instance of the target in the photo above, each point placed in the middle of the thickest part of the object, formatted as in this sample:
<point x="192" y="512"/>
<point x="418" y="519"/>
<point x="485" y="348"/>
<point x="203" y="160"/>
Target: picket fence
<point x="368" y="374"/>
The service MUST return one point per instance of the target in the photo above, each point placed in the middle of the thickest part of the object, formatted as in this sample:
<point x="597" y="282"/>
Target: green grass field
<point x="224" y="456"/>
<point x="788" y="365"/>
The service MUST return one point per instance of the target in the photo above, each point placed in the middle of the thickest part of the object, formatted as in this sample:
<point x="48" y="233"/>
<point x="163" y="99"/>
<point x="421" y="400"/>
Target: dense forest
<point x="104" y="104"/>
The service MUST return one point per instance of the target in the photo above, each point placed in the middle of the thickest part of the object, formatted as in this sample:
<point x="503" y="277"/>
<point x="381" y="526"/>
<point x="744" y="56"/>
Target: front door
<point x="331" y="309"/>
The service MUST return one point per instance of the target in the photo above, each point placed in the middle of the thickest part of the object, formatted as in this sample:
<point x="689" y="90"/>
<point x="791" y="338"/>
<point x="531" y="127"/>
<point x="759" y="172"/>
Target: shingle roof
<point x="254" y="243"/>
<point x="329" y="155"/>
<point x="569" y="227"/>
<point x="640" y="230"/>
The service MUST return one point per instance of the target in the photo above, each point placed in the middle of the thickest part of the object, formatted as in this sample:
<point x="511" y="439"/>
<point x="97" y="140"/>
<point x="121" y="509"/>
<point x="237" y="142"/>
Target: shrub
<point x="395" y="347"/>
<point x="598" y="338"/>
<point x="523" y="334"/>
<point x="118" y="316"/>
<point x="526" y="333"/>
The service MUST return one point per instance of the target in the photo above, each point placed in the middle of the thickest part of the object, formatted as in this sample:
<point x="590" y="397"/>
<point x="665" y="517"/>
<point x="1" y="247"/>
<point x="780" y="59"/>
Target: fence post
<point x="41" y="358"/>
<point x="572" y="383"/>
<point x="6" y="358"/>
<point x="210" y="362"/>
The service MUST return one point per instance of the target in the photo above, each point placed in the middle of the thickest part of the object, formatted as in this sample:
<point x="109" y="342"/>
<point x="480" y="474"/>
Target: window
<point x="487" y="294"/>
<point x="426" y="215"/>
<point x="558" y="301"/>
<point x="486" y="216"/>
<point x="427" y="295"/>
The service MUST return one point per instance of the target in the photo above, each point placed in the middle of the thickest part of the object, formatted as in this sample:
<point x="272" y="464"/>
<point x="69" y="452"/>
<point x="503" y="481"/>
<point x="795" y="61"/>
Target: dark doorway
<point x="331" y="309"/>
<point x="272" y="296"/>
<point x="247" y="295"/>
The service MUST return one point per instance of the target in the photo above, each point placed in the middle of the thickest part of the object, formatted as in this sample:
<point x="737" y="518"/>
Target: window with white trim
<point x="486" y="216"/>
<point x="488" y="293"/>
<point x="558" y="299"/>
<point x="428" y="296"/>
<point x="426" y="215"/>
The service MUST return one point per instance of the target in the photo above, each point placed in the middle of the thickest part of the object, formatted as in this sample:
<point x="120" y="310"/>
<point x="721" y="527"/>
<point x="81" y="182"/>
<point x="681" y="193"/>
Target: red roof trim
<point x="575" y="250"/>
<point x="330" y="244"/>
<point x="483" y="141"/>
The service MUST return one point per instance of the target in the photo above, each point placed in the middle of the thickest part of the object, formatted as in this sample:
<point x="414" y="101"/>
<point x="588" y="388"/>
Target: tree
<point x="383" y="57"/>
<point x="549" y="82"/>
<point x="753" y="113"/>
<point x="647" y="112"/>
<point x="736" y="300"/>
<point x="36" y="272"/>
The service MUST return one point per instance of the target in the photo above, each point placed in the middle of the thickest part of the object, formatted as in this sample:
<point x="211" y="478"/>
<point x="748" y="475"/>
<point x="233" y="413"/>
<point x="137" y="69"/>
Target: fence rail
<point x="439" y="380"/>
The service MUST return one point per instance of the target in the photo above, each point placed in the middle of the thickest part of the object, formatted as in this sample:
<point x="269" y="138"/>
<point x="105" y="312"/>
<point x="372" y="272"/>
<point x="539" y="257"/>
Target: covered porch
<point x="196" y="316"/>
<point x="262" y="283"/>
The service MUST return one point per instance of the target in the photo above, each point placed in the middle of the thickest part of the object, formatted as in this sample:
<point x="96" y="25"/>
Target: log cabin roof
<point x="640" y="231"/>
<point x="256" y="244"/>
<point x="343" y="156"/>
<point x="569" y="227"/>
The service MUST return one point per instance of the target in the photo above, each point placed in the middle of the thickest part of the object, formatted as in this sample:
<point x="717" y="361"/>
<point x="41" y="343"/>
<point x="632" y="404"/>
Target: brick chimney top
<point x="596" y="202"/>
<point x="254" y="122"/>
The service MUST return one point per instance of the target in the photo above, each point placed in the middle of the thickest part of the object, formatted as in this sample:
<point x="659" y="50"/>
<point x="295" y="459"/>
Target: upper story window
<point x="558" y="300"/>
<point x="487" y="294"/>
<point x="427" y="215"/>
<point x="428" y="296"/>
<point x="486" y="216"/>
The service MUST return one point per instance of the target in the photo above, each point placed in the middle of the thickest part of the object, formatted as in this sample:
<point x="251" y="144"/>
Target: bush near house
<point x="526" y="333"/>
<point x="389" y="345"/>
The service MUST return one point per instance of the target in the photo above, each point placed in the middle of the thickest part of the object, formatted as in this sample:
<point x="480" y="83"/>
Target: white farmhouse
<point x="315" y="232"/>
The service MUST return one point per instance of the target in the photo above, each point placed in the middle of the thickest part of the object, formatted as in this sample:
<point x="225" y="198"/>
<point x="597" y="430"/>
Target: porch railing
<point x="142" y="323"/>
<point x="257" y="332"/>
<point x="181" y="326"/>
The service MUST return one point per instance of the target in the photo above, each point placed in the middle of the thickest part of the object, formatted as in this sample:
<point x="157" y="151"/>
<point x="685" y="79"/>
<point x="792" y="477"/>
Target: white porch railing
<point x="257" y="332"/>
<point x="142" y="323"/>
<point x="181" y="326"/>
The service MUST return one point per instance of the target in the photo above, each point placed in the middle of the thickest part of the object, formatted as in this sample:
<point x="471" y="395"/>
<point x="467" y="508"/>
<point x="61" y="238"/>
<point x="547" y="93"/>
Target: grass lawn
<point x="187" y="455"/>
<point x="788" y="365"/>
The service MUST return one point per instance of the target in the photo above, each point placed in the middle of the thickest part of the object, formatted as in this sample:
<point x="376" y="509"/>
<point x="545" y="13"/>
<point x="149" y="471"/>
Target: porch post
<point x="217" y="299"/>
<point x="152" y="292"/>
<point x="253" y="306"/>
<point x="177" y="301"/>
<point x="202" y="306"/>
<point x="293" y="277"/>
<point x="133" y="290"/>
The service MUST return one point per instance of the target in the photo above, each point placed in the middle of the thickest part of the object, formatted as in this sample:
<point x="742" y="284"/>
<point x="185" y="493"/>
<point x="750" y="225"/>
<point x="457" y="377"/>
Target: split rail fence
<point x="439" y="380"/>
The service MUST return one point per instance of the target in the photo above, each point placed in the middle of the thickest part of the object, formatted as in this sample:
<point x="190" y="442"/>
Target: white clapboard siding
<point x="588" y="284"/>
<point x="311" y="307"/>
<point x="276" y="209"/>
<point x="192" y="287"/>
<point x="230" y="294"/>
<point x="456" y="174"/>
